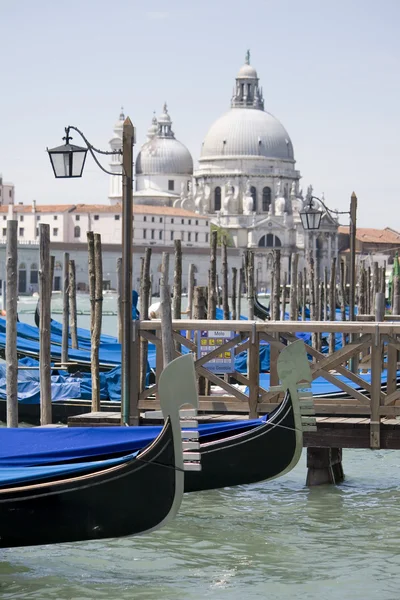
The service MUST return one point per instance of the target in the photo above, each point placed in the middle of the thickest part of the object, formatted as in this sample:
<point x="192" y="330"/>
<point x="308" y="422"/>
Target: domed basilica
<point x="246" y="179"/>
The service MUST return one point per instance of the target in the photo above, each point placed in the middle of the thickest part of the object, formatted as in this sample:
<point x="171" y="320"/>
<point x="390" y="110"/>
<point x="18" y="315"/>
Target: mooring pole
<point x="127" y="366"/>
<point x="11" y="323"/>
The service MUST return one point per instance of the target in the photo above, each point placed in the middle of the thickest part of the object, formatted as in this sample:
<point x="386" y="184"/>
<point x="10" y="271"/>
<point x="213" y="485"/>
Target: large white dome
<point x="164" y="156"/>
<point x="247" y="132"/>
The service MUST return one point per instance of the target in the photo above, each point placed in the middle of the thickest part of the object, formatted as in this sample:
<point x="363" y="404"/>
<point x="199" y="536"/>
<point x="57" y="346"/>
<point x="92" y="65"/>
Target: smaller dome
<point x="247" y="72"/>
<point x="164" y="117"/>
<point x="164" y="156"/>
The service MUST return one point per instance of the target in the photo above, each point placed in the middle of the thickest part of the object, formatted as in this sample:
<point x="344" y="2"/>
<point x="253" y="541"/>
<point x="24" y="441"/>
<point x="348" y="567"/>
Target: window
<point x="55" y="231"/>
<point x="160" y="235"/>
<point x="172" y="235"/>
<point x="253" y="193"/>
<point x="196" y="237"/>
<point x="152" y="234"/>
<point x="38" y="218"/>
<point x="189" y="237"/>
<point x="266" y="199"/>
<point x="21" y="217"/>
<point x="34" y="278"/>
<point x="160" y="219"/>
<point x="144" y="218"/>
<point x="182" y="235"/>
<point x="21" y="232"/>
<point x="144" y="233"/>
<point x="37" y="231"/>
<point x="171" y="185"/>
<point x="207" y="236"/>
<point x="77" y="231"/>
<point x="189" y="221"/>
<point x="5" y="232"/>
<point x="270" y="241"/>
<point x="96" y="217"/>
<point x="77" y="217"/>
<point x="55" y="218"/>
<point x="116" y="218"/>
<point x="183" y="221"/>
<point x="10" y="193"/>
<point x="172" y="220"/>
<point x="152" y="219"/>
<point x="4" y="218"/>
<point x="197" y="221"/>
<point x="217" y="198"/>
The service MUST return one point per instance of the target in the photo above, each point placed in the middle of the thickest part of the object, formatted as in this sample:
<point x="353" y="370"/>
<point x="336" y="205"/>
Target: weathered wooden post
<point x="92" y="277"/>
<point x="45" y="324"/>
<point x="52" y="265"/>
<point x="375" y="283"/>
<point x="311" y="284"/>
<point x="224" y="256"/>
<point x="234" y="282"/>
<point x="212" y="284"/>
<point x="11" y="323"/>
<point x="396" y="295"/>
<point x="303" y="314"/>
<point x="277" y="284"/>
<point x="240" y="291"/>
<point x="250" y="284"/>
<point x="145" y="294"/>
<point x="332" y="304"/>
<point x="326" y="295"/>
<point x="165" y="310"/>
<point x="284" y="296"/>
<point x="96" y="332"/>
<point x="294" y="307"/>
<point x="119" y="305"/>
<point x="300" y="295"/>
<point x="3" y="294"/>
<point x="72" y="304"/>
<point x="190" y="291"/>
<point x="199" y="312"/>
<point x="65" y="321"/>
<point x="177" y="295"/>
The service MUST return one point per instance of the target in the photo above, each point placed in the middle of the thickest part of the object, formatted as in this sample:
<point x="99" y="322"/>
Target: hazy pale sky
<point x="329" y="71"/>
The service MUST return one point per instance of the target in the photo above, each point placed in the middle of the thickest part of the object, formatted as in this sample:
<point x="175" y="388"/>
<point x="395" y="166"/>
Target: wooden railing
<point x="375" y="346"/>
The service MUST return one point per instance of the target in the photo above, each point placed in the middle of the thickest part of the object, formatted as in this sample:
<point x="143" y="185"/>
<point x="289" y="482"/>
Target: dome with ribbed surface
<point x="247" y="132"/>
<point x="164" y="156"/>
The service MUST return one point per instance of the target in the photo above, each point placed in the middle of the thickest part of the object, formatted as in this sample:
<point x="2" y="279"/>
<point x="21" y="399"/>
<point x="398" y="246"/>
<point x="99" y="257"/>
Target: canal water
<point x="275" y="540"/>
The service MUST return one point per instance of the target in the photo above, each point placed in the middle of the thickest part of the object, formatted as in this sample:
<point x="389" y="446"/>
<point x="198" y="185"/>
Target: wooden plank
<point x="376" y="372"/>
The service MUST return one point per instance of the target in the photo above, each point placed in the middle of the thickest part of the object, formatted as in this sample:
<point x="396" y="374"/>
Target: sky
<point x="329" y="72"/>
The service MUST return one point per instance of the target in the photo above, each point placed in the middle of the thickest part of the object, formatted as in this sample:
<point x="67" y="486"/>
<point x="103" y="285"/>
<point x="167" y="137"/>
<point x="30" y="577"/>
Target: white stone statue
<point x="183" y="190"/>
<point x="248" y="203"/>
<point x="278" y="189"/>
<point x="228" y="199"/>
<point x="199" y="199"/>
<point x="280" y="202"/>
<point x="293" y="190"/>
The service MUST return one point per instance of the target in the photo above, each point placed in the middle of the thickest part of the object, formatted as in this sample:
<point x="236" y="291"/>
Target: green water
<point x="275" y="540"/>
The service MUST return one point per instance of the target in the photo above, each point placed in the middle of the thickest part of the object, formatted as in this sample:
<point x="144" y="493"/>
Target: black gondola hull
<point x="262" y="453"/>
<point x="123" y="500"/>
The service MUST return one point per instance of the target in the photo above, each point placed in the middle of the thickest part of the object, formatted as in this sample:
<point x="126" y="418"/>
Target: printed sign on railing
<point x="208" y="341"/>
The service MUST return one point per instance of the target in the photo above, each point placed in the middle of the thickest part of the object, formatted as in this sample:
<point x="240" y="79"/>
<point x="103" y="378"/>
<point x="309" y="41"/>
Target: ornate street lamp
<point x="311" y="216"/>
<point x="68" y="160"/>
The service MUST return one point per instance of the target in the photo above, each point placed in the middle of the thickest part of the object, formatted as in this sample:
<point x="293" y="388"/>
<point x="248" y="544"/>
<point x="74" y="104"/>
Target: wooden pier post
<point x="343" y="297"/>
<point x="311" y="284"/>
<point x="300" y="297"/>
<point x="190" y="291"/>
<point x="65" y="319"/>
<point x="11" y="323"/>
<point x="45" y="284"/>
<point x="240" y="291"/>
<point x="326" y="296"/>
<point x="224" y="260"/>
<point x="199" y="312"/>
<point x="72" y="304"/>
<point x="145" y="295"/>
<point x="92" y="277"/>
<point x="324" y="465"/>
<point x="234" y="284"/>
<point x="96" y="332"/>
<point x="3" y="294"/>
<point x="277" y="284"/>
<point x="119" y="304"/>
<point x="284" y="296"/>
<point x="52" y="265"/>
<point x="332" y="303"/>
<point x="250" y="284"/>
<point x="253" y="372"/>
<point x="294" y="305"/>
<point x="177" y="295"/>
<point x="212" y="284"/>
<point x="165" y="310"/>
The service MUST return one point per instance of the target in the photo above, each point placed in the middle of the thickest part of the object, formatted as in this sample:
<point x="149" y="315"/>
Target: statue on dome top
<point x="247" y="59"/>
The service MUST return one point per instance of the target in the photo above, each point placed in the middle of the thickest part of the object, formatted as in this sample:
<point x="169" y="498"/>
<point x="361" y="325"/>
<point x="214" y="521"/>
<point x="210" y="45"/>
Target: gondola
<point x="102" y="498"/>
<point x="261" y="311"/>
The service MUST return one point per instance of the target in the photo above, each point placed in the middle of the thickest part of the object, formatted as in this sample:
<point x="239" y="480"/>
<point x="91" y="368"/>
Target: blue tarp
<point x="37" y="446"/>
<point x="12" y="475"/>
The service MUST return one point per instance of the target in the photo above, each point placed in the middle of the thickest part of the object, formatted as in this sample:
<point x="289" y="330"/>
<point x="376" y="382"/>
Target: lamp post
<point x="311" y="216"/>
<point x="68" y="161"/>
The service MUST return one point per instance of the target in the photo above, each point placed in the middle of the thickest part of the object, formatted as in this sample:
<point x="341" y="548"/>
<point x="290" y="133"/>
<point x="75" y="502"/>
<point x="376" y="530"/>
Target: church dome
<point x="164" y="156"/>
<point x="245" y="131"/>
<point x="247" y="71"/>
